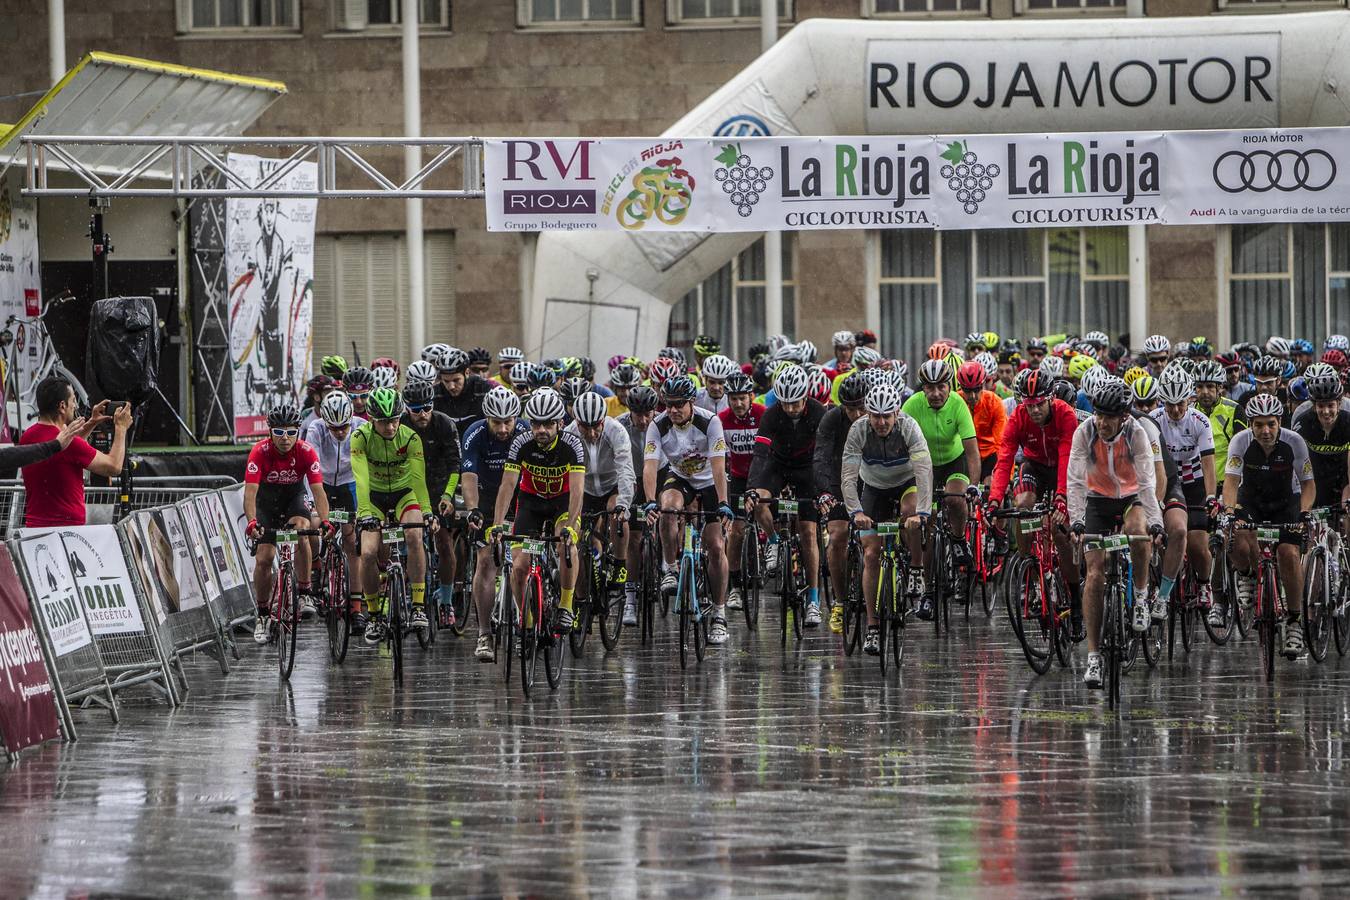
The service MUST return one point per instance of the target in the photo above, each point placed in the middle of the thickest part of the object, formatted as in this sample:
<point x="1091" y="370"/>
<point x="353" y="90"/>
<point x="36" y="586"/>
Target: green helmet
<point x="384" y="403"/>
<point x="333" y="366"/>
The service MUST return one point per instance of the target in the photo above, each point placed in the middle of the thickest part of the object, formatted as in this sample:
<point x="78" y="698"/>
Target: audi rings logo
<point x="1274" y="170"/>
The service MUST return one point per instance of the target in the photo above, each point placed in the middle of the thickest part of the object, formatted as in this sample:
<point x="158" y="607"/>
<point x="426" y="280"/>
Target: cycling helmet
<point x="844" y="339"/>
<point x="719" y="367"/>
<point x="1037" y="344"/>
<point x="284" y="415"/>
<point x="573" y="388"/>
<point x="625" y="375"/>
<point x="519" y="373"/>
<point x="433" y="352"/>
<point x="1277" y="346"/>
<point x="975" y="339"/>
<point x="1209" y="372"/>
<point x="865" y="356"/>
<point x="707" y="345"/>
<point x="588" y="369"/>
<point x="384" y="377"/>
<point x="1298" y="390"/>
<point x="385" y="403"/>
<point x="1290" y="370"/>
<point x="1264" y="405"/>
<point x="384" y="362"/>
<point x="791" y="384"/>
<point x="971" y="376"/>
<point x="1145" y="389"/>
<point x="336" y="409"/>
<point x="573" y="367"/>
<point x="663" y="368"/>
<point x="501" y="403"/>
<point x="421" y="370"/>
<point x="642" y="399"/>
<point x="589" y="408"/>
<point x="1092" y="376"/>
<point x="806" y="352"/>
<point x="418" y="393"/>
<point x="357" y="380"/>
<point x="1083" y="348"/>
<point x="1175" y="387"/>
<point x="900" y="368"/>
<point x="1079" y="365"/>
<point x="988" y="363"/>
<point x="1228" y="360"/>
<point x="1156" y="343"/>
<point x="818" y="385"/>
<point x="616" y="360"/>
<point x="1053" y="366"/>
<point x="738" y="383"/>
<point x="333" y="366"/>
<point x="873" y="377"/>
<point x="1201" y="348"/>
<point x="676" y="354"/>
<point x="787" y="352"/>
<point x="510" y="355"/>
<point x="852" y="390"/>
<point x="1337" y="342"/>
<point x="1320" y="370"/>
<point x="939" y="350"/>
<point x="935" y="371"/>
<point x="991" y="341"/>
<point x="1097" y="339"/>
<point x="1063" y="389"/>
<point x="1268" y="367"/>
<point x="544" y="405"/>
<point x="1132" y="373"/>
<point x="678" y="389"/>
<point x="882" y="400"/>
<point x="1033" y="384"/>
<point x="454" y="360"/>
<point x="320" y="383"/>
<point x="480" y="356"/>
<point x="1323" y="386"/>
<point x="1111" y="397"/>
<point x="1336" y="359"/>
<point x="540" y="376"/>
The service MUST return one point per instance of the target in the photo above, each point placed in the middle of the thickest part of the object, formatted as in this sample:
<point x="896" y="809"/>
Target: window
<point x="1289" y="280"/>
<point x="882" y="8"/>
<point x="1016" y="283"/>
<point x="360" y="293"/>
<point x="1060" y="7"/>
<point x="217" y="15"/>
<point x="729" y="304"/>
<point x="721" y="12"/>
<point x="578" y="13"/>
<point x="433" y="13"/>
<point x="1268" y="5"/>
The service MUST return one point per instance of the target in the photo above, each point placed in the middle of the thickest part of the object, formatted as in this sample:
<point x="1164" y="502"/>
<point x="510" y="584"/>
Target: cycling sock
<point x="1165" y="587"/>
<point x="373" y="604"/>
<point x="566" y="600"/>
<point x="630" y="589"/>
<point x="419" y="594"/>
<point x="813" y="596"/>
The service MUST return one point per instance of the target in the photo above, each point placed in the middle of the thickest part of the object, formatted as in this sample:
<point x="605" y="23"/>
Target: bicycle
<point x="1222" y="587"/>
<point x="284" y="605"/>
<point x="942" y="564"/>
<point x="691" y="593"/>
<point x="399" y="605"/>
<point x="602" y="603"/>
<point x="337" y="606"/>
<point x="792" y="578"/>
<point x="461" y="590"/>
<point x="855" y="609"/>
<point x="504" y="623"/>
<point x="1184" y="610"/>
<point x="1040" y="616"/>
<point x="1117" y="606"/>
<point x="892" y="603"/>
<point x="988" y="563"/>
<point x="538" y="603"/>
<point x="1320" y="589"/>
<point x="752" y="572"/>
<point x="1267" y="612"/>
<point x="650" y="595"/>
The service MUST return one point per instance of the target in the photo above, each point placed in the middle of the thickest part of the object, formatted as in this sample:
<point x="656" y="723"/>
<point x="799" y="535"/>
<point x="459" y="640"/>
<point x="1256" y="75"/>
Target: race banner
<point x="1273" y="175"/>
<point x="27" y="703"/>
<point x="269" y="267"/>
<point x="102" y="579"/>
<point x="44" y="558"/>
<point x="20" y="287"/>
<point x="225" y="555"/>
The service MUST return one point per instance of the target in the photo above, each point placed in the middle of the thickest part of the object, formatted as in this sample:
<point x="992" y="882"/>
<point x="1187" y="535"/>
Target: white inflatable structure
<point x="613" y="292"/>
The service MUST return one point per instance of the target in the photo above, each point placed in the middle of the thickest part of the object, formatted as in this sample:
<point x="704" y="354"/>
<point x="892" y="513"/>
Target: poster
<point x="102" y="579"/>
<point x="143" y="564"/>
<point x="229" y="566"/>
<point x="202" y="553"/>
<point x="27" y="703"/>
<point x="44" y="558"/>
<point x="20" y="289"/>
<point x="166" y="559"/>
<point x="269" y="267"/>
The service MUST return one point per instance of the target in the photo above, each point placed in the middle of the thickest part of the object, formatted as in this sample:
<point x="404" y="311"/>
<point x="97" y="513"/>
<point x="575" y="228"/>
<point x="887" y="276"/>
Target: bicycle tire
<point x="394" y="611"/>
<point x="555" y="646"/>
<point x="1316" y="603"/>
<point x="461" y="589"/>
<point x="752" y="577"/>
<point x="1035" y="628"/>
<point x="287" y="613"/>
<point x="786" y="588"/>
<point x="1340" y="619"/>
<point x="584" y="610"/>
<point x="1112" y="647"/>
<point x="702" y="617"/>
<point x="1152" y="640"/>
<point x="686" y="615"/>
<point x="1265" y="619"/>
<point x="611" y="617"/>
<point x="508" y="630"/>
<point x="897" y="620"/>
<point x="853" y="601"/>
<point x="530" y="631"/>
<point x="1061" y="602"/>
<point x="339" y="607"/>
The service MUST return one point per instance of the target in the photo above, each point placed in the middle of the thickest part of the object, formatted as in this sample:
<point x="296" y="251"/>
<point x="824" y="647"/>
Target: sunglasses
<point x="358" y="395"/>
<point x="1157" y="359"/>
<point x="1036" y="354"/>
<point x="338" y="429"/>
<point x="418" y="409"/>
<point x="285" y="432"/>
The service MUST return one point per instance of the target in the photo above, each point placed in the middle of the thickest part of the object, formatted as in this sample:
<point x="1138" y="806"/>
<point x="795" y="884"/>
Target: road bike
<point x="1322" y="568"/>
<point x="893" y="604"/>
<point x="1268" y="609"/>
<point x="398" y="606"/>
<point x="1118" y="600"/>
<point x="1037" y="599"/>
<point x="535" y="615"/>
<point x="945" y="575"/>
<point x="855" y="608"/>
<point x="752" y="572"/>
<point x="693" y="606"/>
<point x="599" y="600"/>
<point x="284" y="605"/>
<point x="336" y="603"/>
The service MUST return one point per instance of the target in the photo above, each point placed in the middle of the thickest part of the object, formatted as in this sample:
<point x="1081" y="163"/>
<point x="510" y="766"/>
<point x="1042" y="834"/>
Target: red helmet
<point x="1336" y="359"/>
<point x="970" y="376"/>
<point x="663" y="367"/>
<point x="939" y="350"/>
<point x="384" y="362"/>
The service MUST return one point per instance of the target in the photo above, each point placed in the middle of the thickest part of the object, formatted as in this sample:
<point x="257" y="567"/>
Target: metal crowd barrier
<point x="101" y="502"/>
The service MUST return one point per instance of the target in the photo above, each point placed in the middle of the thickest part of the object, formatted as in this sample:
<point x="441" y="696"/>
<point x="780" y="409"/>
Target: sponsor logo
<point x="659" y="189"/>
<point x="967" y="177"/>
<point x="1260" y="171"/>
<point x="744" y="125"/>
<point x="742" y="181"/>
<point x="548" y="161"/>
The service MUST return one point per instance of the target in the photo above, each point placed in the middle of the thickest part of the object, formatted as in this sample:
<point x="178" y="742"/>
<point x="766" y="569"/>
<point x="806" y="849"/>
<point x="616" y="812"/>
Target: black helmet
<point x="1111" y="397"/>
<point x="852" y="390"/>
<point x="480" y="356"/>
<point x="417" y="393"/>
<point x="1063" y="389"/>
<point x="573" y="388"/>
<point x="1324" y="387"/>
<point x="285" y="415"/>
<point x="642" y="399"/>
<point x="739" y="383"/>
<point x="625" y="375"/>
<point x="358" y="379"/>
<point x="540" y="376"/>
<point x="588" y="368"/>
<point x="1268" y="367"/>
<point x="678" y="389"/>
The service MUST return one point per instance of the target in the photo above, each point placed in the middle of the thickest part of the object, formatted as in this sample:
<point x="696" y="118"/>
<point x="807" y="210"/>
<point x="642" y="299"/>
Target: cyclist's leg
<point x="908" y="507"/>
<point x="714" y="546"/>
<point x="567" y="578"/>
<point x="1093" y="588"/>
<point x="871" y="545"/>
<point x="808" y="528"/>
<point x="618" y="533"/>
<point x="484" y="588"/>
<point x="957" y="510"/>
<point x="370" y="571"/>
<point x="735" y="496"/>
<point x="838" y="553"/>
<point x="1174" y="526"/>
<point x="263" y="576"/>
<point x="410" y="513"/>
<point x="675" y="494"/>
<point x="1137" y="524"/>
<point x="447" y="565"/>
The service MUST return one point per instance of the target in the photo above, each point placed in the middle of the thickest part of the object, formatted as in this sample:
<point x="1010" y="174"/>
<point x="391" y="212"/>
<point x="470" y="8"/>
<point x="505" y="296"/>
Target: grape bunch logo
<point x="968" y="177"/>
<point x="742" y="181"/>
<point x="662" y="191"/>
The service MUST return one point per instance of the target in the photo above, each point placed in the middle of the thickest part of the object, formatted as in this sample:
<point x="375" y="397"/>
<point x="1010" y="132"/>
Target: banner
<point x="202" y="551"/>
<point x="102" y="579"/>
<point x="20" y="280"/>
<point x="27" y="702"/>
<point x="44" y="557"/>
<point x="228" y="564"/>
<point x="269" y="267"/>
<point x="167" y="562"/>
<point x="1275" y="175"/>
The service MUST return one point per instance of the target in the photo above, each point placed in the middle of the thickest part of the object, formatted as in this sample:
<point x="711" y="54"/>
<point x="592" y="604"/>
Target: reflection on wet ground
<point x="763" y="770"/>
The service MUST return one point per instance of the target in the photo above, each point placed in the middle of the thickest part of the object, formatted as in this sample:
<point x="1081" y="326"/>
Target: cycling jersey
<point x="703" y="401"/>
<point x="1244" y="421"/>
<point x="284" y="473"/>
<point x="335" y="454"/>
<point x="1307" y="405"/>
<point x="1327" y="450"/>
<point x="544" y="471"/>
<point x="440" y="448"/>
<point x="1046" y="445"/>
<point x="387" y="466"/>
<point x="990" y="420"/>
<point x="1221" y="426"/>
<point x="614" y="407"/>
<point x="828" y="458"/>
<point x="485" y="457"/>
<point x="1269" y="479"/>
<point x="467" y="407"/>
<point x="609" y="462"/>
<point x="740" y="436"/>
<point x="944" y="429"/>
<point x="885" y="462"/>
<point x="1115" y="470"/>
<point x="637" y="438"/>
<point x="784" y="442"/>
<point x="690" y="448"/>
<point x="1188" y="441"/>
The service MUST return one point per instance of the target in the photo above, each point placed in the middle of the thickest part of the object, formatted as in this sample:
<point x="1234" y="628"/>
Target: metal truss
<point x="199" y="167"/>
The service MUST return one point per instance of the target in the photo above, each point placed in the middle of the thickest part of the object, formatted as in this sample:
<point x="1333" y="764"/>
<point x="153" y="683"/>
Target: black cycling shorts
<point x="1194" y="497"/>
<point x="1037" y="478"/>
<point x="1276" y="514"/>
<point x="736" y="494"/>
<point x="538" y="516"/>
<point x="393" y="504"/>
<point x="706" y="497"/>
<point x="801" y="479"/>
<point x="341" y="496"/>
<point x="883" y="504"/>
<point x="594" y="504"/>
<point x="1106" y="515"/>
<point x="947" y="471"/>
<point x="276" y="507"/>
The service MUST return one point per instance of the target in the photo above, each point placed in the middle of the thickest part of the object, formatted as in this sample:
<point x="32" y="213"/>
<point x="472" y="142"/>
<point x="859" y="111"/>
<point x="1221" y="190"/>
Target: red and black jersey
<point x="544" y="471"/>
<point x="740" y="436"/>
<point x="269" y="469"/>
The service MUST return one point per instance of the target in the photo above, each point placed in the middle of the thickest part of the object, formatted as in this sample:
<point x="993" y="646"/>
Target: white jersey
<point x="609" y="462"/>
<point x="703" y="401"/>
<point x="335" y="456"/>
<point x="1188" y="440"/>
<point x="690" y="448"/>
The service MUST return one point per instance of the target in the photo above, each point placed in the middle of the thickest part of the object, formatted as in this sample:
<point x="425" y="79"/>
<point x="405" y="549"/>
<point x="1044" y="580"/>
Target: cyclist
<point x="641" y="411"/>
<point x="1221" y="411"/>
<point x="487" y="444"/>
<point x="548" y="465"/>
<point x="713" y="395"/>
<point x="740" y="423"/>
<point x="949" y="433"/>
<point x="986" y="411"/>
<point x="1267" y="378"/>
<point x="622" y="379"/>
<point x="784" y="447"/>
<point x="441" y="452"/>
<point x="480" y="363"/>
<point x="275" y="475"/>
<point x="1318" y="372"/>
<point x="1189" y="438"/>
<point x="506" y="358"/>
<point x="331" y="437"/>
<point x="691" y="440"/>
<point x="358" y="383"/>
<point x="1325" y="428"/>
<point x="459" y="394"/>
<point x="1111" y="485"/>
<point x="828" y="461"/>
<point x="1270" y="479"/>
<point x="609" y="475"/>
<point x="1157" y="353"/>
<point x="884" y="472"/>
<point x="845" y="342"/>
<point x="389" y="469"/>
<point x="316" y="389"/>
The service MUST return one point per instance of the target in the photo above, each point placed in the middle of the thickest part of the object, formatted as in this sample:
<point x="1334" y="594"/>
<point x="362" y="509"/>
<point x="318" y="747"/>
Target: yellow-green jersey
<point x="388" y="466"/>
<point x="1222" y="421"/>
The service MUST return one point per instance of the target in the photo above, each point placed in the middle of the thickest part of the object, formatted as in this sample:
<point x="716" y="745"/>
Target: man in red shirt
<point x="740" y="424"/>
<point x="54" y="488"/>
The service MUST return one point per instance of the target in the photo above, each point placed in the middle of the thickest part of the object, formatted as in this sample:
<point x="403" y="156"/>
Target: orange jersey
<point x="990" y="417"/>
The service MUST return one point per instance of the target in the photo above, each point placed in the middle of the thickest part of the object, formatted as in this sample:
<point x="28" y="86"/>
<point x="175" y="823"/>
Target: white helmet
<point x="882" y="400"/>
<point x="866" y="356"/>
<point x="1156" y="343"/>
<point x="510" y="355"/>
<point x="844" y="339"/>
<point x="806" y="352"/>
<point x="336" y="409"/>
<point x="501" y="403"/>
<point x="790" y="385"/>
<point x="589" y="408"/>
<point x="719" y="367"/>
<point x="987" y="362"/>
<point x="1098" y="338"/>
<point x="1277" y="346"/>
<point x="1175" y="386"/>
<point x="544" y="405"/>
<point x="1091" y="377"/>
<point x="383" y="377"/>
<point x="431" y="351"/>
<point x="519" y="372"/>
<point x="1264" y="405"/>
<point x="421" y="370"/>
<point x="1053" y="366"/>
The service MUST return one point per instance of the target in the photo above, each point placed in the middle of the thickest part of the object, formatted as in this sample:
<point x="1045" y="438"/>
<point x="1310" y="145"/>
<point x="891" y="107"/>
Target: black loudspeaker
<point x="122" y="361"/>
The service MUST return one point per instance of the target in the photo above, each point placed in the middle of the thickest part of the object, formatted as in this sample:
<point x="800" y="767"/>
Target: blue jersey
<point x="485" y="456"/>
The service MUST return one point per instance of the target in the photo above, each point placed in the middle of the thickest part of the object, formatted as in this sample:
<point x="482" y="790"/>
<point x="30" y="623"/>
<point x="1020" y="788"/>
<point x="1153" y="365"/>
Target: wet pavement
<point x="760" y="771"/>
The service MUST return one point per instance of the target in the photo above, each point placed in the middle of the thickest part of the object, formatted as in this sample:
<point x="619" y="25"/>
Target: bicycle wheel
<point x="1113" y="637"/>
<point x="1152" y="641"/>
<point x="461" y="589"/>
<point x="510" y="631"/>
<point x="684" y="608"/>
<point x="853" y="601"/>
<point x="885" y="595"/>
<point x="786" y="588"/>
<point x="288" y="620"/>
<point x="938" y="566"/>
<point x="798" y="595"/>
<point x="1062" y="605"/>
<point x="703" y="618"/>
<point x="988" y="561"/>
<point x="1265" y="619"/>
<point x="611" y="616"/>
<point x="555" y="648"/>
<point x="897" y="620"/>
<point x="339" y="608"/>
<point x="752" y="576"/>
<point x="584" y="609"/>
<point x="1316" y="602"/>
<point x="1034" y="618"/>
<point x="1340" y="618"/>
<point x="394" y="611"/>
<point x="531" y="631"/>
